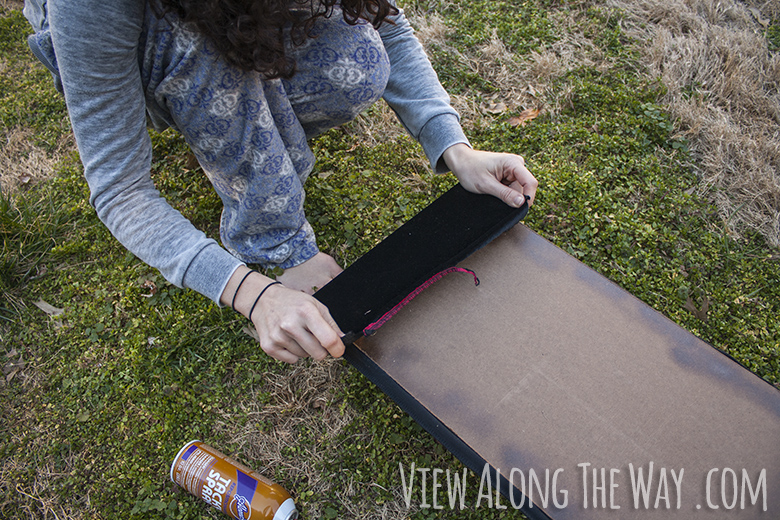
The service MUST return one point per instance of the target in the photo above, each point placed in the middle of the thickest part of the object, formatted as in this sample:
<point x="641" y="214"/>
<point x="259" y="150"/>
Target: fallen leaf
<point x="529" y="114"/>
<point x="13" y="368"/>
<point x="495" y="108"/>
<point x="40" y="272"/>
<point x="150" y="286"/>
<point x="191" y="162"/>
<point x="251" y="332"/>
<point x="699" y="313"/>
<point x="759" y="17"/>
<point x="49" y="309"/>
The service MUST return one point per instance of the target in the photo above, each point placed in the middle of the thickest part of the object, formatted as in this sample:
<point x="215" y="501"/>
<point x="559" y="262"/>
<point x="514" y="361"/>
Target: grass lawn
<point x="108" y="369"/>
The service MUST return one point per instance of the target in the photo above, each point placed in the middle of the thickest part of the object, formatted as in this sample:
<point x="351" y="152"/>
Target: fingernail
<point x="518" y="201"/>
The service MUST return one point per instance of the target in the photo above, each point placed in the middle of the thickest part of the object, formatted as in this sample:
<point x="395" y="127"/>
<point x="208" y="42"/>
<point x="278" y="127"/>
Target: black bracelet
<point x="258" y="298"/>
<point x="233" y="303"/>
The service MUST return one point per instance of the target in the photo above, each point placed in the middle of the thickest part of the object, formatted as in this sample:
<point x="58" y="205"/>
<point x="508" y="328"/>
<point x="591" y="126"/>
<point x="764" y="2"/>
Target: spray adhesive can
<point x="229" y="486"/>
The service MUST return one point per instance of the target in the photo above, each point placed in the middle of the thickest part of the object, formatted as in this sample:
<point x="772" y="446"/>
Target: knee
<point x="360" y="82"/>
<point x="344" y="68"/>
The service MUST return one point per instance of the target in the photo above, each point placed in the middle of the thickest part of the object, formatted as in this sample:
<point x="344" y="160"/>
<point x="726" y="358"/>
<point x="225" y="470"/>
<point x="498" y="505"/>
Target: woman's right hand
<point x="289" y="323"/>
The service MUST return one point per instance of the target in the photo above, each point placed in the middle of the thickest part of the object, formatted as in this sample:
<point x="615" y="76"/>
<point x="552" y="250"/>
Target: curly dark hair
<point x="250" y="33"/>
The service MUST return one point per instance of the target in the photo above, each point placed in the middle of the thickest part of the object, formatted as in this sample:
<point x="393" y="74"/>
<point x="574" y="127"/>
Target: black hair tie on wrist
<point x="259" y="296"/>
<point x="233" y="303"/>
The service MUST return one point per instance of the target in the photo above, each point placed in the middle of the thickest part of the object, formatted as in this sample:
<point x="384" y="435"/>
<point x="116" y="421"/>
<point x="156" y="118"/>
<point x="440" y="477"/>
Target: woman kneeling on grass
<point x="246" y="82"/>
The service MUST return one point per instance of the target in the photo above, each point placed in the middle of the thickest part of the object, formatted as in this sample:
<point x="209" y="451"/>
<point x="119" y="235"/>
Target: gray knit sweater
<point x="92" y="47"/>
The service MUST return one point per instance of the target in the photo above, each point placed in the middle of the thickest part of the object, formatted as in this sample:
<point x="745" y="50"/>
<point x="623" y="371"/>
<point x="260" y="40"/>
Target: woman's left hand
<point x="502" y="175"/>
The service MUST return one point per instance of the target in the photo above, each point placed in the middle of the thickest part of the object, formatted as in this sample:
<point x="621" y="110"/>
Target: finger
<point x="528" y="190"/>
<point x="334" y="269"/>
<point x="280" y="354"/>
<point x="328" y="333"/>
<point x="330" y="268"/>
<point x="509" y="194"/>
<point x="279" y="342"/>
<point x="315" y="335"/>
<point x="333" y="273"/>
<point x="524" y="182"/>
<point x="309" y="342"/>
<point x="327" y="339"/>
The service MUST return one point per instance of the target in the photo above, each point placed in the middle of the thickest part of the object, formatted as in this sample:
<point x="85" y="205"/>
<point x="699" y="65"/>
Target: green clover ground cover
<point x="133" y="367"/>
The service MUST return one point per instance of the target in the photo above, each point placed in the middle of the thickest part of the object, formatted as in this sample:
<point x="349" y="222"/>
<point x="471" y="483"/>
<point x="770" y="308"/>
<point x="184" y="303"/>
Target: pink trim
<point x="373" y="327"/>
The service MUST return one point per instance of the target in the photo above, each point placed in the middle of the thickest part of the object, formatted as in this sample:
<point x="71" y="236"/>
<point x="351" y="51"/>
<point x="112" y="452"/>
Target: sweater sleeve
<point x="416" y="95"/>
<point x="96" y="44"/>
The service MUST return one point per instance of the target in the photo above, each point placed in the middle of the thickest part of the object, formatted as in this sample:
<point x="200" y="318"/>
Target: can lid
<point x="286" y="511"/>
<point x="176" y="458"/>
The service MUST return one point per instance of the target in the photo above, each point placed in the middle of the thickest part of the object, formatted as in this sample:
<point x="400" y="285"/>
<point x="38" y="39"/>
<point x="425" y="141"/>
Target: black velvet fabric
<point x="446" y="232"/>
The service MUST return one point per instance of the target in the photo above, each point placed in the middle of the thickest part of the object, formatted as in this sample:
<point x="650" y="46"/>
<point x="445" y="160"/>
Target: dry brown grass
<point x="521" y="83"/>
<point x="35" y="497"/>
<point x="22" y="163"/>
<point x="297" y="403"/>
<point x="11" y="4"/>
<point x="724" y="91"/>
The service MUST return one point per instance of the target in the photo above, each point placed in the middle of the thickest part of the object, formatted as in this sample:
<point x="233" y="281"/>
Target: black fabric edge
<point x="490" y="235"/>
<point x="422" y="416"/>
<point x="490" y="218"/>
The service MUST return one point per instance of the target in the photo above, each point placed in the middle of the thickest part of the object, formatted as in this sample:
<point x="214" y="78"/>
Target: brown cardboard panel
<point x="547" y="365"/>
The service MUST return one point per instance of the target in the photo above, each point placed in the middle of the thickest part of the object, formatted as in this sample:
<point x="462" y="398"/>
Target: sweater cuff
<point x="210" y="271"/>
<point x="437" y="135"/>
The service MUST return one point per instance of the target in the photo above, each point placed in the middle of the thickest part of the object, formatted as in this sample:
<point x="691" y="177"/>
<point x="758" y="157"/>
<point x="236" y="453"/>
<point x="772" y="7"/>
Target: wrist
<point x="243" y="288"/>
<point x="455" y="155"/>
<point x="260" y="295"/>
